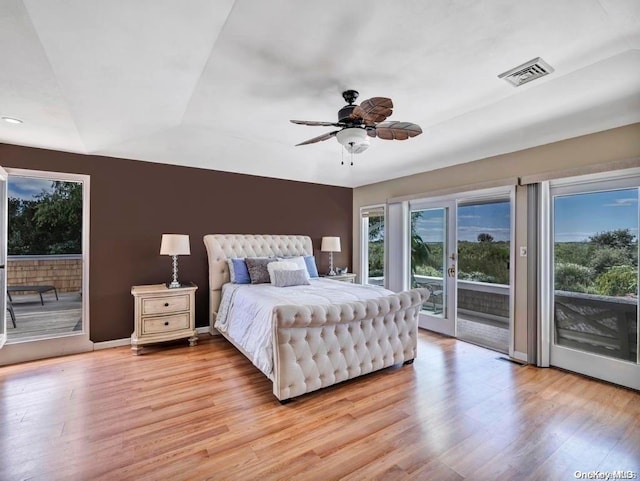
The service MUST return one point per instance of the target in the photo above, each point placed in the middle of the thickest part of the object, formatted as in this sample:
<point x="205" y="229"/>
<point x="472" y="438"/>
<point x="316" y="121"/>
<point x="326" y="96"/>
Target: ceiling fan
<point x="359" y="121"/>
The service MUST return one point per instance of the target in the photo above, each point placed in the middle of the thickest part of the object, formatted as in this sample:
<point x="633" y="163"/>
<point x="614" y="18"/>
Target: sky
<point x="580" y="216"/>
<point x="492" y="219"/>
<point x="576" y="217"/>
<point x="25" y="188"/>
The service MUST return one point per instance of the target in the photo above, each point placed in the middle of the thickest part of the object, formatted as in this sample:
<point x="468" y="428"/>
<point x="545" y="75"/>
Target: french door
<point x="460" y="248"/>
<point x="43" y="325"/>
<point x="592" y="306"/>
<point x="433" y="262"/>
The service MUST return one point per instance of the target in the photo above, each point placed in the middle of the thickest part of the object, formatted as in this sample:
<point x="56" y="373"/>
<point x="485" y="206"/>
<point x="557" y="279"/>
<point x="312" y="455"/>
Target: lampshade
<point x="330" y="244"/>
<point x="175" y="245"/>
<point x="353" y="139"/>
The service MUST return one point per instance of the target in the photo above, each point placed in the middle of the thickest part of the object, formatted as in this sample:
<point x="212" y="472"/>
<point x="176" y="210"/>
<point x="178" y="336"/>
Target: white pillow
<point x="299" y="262"/>
<point x="287" y="278"/>
<point x="280" y="266"/>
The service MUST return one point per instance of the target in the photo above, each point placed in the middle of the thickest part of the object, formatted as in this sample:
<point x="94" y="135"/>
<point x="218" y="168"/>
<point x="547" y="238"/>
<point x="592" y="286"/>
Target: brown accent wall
<point x="134" y="202"/>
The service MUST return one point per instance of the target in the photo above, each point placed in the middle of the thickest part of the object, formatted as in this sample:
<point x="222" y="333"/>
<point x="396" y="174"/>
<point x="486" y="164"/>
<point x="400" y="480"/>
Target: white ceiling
<point x="213" y="83"/>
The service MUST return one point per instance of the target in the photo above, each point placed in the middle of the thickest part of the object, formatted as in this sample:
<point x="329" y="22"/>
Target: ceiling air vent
<point x="527" y="72"/>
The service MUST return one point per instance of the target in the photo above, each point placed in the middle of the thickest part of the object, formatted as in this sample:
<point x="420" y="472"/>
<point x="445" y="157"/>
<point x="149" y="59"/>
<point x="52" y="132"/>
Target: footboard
<point x="317" y="346"/>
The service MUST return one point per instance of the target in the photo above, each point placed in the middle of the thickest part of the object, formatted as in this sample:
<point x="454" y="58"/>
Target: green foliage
<point x="603" y="258"/>
<point x="618" y="239"/>
<point x="421" y="252"/>
<point x="484" y="261"/>
<point x="618" y="281"/>
<point x="573" y="252"/>
<point x="605" y="265"/>
<point x="572" y="277"/>
<point x="50" y="224"/>
<point x="428" y="271"/>
<point x="479" y="277"/>
<point x="376" y="258"/>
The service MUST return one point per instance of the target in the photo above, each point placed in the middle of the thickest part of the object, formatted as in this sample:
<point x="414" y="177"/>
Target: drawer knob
<point x="166" y="304"/>
<point x="166" y="323"/>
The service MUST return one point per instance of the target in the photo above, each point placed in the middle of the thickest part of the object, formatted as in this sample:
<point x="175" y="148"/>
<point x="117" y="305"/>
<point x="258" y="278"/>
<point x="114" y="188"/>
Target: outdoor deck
<point x="54" y="318"/>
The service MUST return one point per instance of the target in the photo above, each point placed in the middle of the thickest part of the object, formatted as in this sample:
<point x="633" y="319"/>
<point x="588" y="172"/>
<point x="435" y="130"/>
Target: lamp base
<point x="173" y="284"/>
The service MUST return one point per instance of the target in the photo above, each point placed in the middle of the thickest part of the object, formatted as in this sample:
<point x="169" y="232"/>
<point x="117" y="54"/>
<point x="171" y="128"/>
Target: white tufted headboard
<point x="220" y="247"/>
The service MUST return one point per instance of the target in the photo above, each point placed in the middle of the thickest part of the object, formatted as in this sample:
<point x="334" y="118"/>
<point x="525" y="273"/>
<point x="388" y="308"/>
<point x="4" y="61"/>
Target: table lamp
<point x="175" y="245"/>
<point x="330" y="245"/>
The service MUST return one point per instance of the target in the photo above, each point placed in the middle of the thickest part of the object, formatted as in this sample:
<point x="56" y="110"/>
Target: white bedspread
<point x="245" y="313"/>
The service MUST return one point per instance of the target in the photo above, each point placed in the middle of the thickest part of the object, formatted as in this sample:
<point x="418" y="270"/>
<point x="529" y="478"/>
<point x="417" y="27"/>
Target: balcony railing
<point x="64" y="272"/>
<point x="598" y="324"/>
<point x="603" y="325"/>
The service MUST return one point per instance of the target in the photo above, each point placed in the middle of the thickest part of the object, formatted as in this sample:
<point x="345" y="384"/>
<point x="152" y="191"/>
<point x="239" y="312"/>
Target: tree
<point x="49" y="224"/>
<point x="22" y="238"/>
<point x="618" y="239"/>
<point x="420" y="250"/>
<point x="483" y="237"/>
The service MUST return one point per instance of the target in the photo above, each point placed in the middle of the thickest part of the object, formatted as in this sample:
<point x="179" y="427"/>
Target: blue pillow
<point x="311" y="266"/>
<point x="240" y="272"/>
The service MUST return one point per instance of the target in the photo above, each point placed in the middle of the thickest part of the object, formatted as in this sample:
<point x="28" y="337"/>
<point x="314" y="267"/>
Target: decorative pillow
<point x="257" y="267"/>
<point x="310" y="262"/>
<point x="298" y="261"/>
<point x="280" y="265"/>
<point x="238" y="271"/>
<point x="286" y="278"/>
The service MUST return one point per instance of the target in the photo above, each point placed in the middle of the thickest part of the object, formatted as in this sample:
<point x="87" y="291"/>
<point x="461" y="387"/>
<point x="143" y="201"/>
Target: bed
<point x="317" y="344"/>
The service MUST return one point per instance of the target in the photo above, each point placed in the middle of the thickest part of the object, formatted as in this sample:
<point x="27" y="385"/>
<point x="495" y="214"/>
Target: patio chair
<point x="435" y="297"/>
<point x="13" y="314"/>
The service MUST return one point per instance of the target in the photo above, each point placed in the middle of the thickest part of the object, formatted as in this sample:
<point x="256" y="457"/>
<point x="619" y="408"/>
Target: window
<point x="373" y="245"/>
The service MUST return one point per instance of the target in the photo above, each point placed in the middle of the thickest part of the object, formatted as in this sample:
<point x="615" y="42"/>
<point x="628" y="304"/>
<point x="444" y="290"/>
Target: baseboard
<point x="109" y="344"/>
<point x="127" y="341"/>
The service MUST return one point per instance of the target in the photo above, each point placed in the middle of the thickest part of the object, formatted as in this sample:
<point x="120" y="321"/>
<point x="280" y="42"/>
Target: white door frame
<point x="448" y="327"/>
<point x="68" y="343"/>
<point x="445" y="324"/>
<point x="606" y="368"/>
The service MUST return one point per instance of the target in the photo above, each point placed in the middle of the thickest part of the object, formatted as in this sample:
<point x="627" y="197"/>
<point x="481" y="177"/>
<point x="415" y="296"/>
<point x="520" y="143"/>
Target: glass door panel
<point x="433" y="264"/>
<point x="483" y="287"/>
<point x="45" y="267"/>
<point x="595" y="291"/>
<point x="373" y="248"/>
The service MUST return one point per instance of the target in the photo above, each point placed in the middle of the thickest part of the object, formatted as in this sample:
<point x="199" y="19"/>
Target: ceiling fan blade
<point x="319" y="138"/>
<point x="373" y="110"/>
<point x="316" y="123"/>
<point x="395" y="130"/>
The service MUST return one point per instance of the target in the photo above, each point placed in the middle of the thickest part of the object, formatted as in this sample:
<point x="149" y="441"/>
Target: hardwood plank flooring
<point x="205" y="413"/>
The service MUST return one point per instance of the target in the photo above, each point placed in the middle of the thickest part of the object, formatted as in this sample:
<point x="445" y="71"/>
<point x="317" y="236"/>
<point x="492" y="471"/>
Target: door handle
<point x="451" y="271"/>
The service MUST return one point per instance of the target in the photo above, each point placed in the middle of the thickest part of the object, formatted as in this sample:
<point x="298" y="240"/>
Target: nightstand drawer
<point x="153" y="325"/>
<point x="166" y="304"/>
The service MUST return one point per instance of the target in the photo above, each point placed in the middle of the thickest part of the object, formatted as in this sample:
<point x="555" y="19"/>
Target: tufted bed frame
<point x="320" y="345"/>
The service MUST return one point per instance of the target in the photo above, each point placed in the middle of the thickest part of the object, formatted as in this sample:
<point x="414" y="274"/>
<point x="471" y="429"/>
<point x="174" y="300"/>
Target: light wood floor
<point x="180" y="413"/>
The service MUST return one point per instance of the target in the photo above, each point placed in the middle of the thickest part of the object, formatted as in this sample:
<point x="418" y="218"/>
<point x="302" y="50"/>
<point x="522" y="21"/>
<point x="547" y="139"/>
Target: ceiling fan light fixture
<point x="354" y="140"/>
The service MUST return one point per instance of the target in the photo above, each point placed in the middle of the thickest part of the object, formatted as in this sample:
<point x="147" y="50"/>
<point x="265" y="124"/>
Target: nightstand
<point x="343" y="277"/>
<point x="163" y="314"/>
